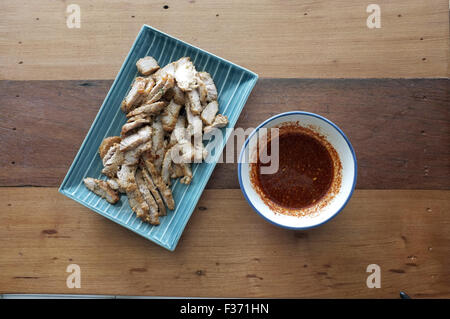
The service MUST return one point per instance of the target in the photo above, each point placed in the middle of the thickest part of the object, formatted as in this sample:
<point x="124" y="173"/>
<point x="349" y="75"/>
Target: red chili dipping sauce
<point x="305" y="173"/>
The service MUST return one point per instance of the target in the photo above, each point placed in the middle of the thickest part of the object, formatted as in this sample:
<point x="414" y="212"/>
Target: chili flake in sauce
<point x="305" y="172"/>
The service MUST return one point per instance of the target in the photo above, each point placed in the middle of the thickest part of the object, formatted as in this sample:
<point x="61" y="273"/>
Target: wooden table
<point x="387" y="88"/>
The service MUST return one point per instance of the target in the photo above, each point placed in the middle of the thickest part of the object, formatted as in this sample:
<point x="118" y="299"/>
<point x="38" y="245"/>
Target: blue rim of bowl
<point x="307" y="114"/>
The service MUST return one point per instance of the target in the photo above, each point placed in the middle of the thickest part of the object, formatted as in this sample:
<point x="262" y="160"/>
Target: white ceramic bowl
<point x="346" y="155"/>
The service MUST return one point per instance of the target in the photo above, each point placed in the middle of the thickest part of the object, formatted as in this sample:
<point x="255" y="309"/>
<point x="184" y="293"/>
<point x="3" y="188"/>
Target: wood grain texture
<point x="291" y="39"/>
<point x="227" y="250"/>
<point x="399" y="128"/>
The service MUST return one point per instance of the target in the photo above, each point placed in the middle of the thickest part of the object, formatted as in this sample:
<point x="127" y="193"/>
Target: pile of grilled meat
<point x="168" y="110"/>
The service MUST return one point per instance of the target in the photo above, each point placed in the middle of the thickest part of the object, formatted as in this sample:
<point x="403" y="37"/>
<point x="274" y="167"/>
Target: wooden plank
<point x="399" y="128"/>
<point x="227" y="250"/>
<point x="320" y="39"/>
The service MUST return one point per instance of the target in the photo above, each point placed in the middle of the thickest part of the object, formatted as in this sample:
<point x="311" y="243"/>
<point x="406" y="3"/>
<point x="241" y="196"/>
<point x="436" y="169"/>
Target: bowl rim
<point x="283" y="115"/>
